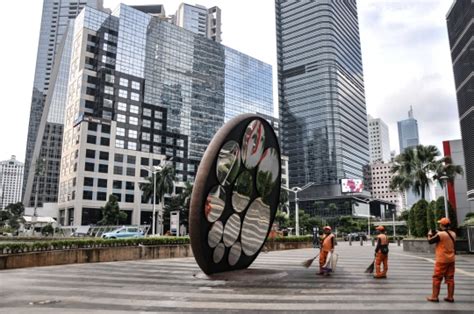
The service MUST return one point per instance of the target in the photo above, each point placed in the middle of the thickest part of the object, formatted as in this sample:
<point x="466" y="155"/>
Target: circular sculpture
<point x="235" y="195"/>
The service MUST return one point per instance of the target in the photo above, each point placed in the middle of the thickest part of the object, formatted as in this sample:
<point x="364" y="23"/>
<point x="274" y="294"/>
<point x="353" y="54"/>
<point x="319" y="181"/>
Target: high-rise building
<point x="142" y="91"/>
<point x="200" y="20"/>
<point x="408" y="132"/>
<point x="377" y="180"/>
<point x="11" y="179"/>
<point x="457" y="190"/>
<point x="460" y="32"/>
<point x="379" y="141"/>
<point x="45" y="129"/>
<point x="321" y="93"/>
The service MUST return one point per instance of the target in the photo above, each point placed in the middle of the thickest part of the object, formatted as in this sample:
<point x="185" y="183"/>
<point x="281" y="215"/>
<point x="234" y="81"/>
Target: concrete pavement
<point x="275" y="282"/>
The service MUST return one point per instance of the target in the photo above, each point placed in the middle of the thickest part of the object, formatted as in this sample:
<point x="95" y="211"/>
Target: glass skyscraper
<point x="408" y="132"/>
<point x="321" y="93"/>
<point x="142" y="90"/>
<point x="461" y="31"/>
<point x="45" y="128"/>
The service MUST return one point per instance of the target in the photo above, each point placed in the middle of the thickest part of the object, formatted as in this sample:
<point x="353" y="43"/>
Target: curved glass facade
<point x="321" y="91"/>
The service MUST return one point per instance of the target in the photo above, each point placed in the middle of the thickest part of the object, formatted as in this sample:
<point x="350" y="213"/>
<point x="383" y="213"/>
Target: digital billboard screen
<point x="352" y="185"/>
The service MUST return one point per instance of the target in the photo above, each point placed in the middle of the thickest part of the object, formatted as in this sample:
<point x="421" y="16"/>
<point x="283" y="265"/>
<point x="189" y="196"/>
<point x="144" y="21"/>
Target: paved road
<point x="275" y="282"/>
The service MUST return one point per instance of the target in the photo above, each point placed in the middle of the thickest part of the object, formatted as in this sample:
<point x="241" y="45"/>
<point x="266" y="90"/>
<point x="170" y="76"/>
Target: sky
<point x="405" y="52"/>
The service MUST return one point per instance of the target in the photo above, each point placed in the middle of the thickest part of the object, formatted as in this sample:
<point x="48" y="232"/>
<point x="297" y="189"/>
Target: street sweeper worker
<point x="381" y="253"/>
<point x="445" y="240"/>
<point x="327" y="245"/>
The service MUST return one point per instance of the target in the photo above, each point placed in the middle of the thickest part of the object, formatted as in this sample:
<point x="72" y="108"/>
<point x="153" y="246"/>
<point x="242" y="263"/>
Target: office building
<point x="377" y="180"/>
<point x="45" y="129"/>
<point x="379" y="142"/>
<point x="11" y="179"/>
<point x="200" y="20"/>
<point x="143" y="91"/>
<point x="408" y="132"/>
<point x="460" y="19"/>
<point x="457" y="190"/>
<point x="321" y="94"/>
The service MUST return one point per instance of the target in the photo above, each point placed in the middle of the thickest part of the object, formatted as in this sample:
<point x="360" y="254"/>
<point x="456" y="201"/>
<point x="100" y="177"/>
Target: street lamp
<point x="297" y="215"/>
<point x="445" y="188"/>
<point x="153" y="170"/>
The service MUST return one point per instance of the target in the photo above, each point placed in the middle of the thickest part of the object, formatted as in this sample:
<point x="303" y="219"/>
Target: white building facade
<point x="378" y="177"/>
<point x="379" y="142"/>
<point x="11" y="181"/>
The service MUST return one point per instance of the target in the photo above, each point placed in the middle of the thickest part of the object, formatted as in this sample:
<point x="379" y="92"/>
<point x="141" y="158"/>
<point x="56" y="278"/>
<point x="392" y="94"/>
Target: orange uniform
<point x="445" y="262"/>
<point x="380" y="256"/>
<point x="327" y="244"/>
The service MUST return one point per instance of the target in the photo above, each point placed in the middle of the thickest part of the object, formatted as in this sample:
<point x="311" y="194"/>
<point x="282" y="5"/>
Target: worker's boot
<point x="450" y="297"/>
<point x="435" y="294"/>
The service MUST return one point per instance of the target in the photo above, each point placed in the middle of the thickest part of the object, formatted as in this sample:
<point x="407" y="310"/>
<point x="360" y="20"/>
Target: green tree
<point x="282" y="219"/>
<point x="413" y="168"/>
<point x="5" y="216"/>
<point x="421" y="226"/>
<point x="111" y="214"/>
<point x="47" y="230"/>
<point x="430" y="216"/>
<point x="440" y="212"/>
<point x="164" y="180"/>
<point x="446" y="170"/>
<point x="412" y="220"/>
<point x="283" y="202"/>
<point x="16" y="212"/>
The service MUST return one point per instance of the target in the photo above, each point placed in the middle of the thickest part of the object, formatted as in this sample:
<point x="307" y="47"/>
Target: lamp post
<point x="297" y="215"/>
<point x="444" y="179"/>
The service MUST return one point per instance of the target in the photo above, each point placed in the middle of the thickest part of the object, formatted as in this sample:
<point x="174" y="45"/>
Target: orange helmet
<point x="444" y="221"/>
<point x="380" y="228"/>
<point x="327" y="228"/>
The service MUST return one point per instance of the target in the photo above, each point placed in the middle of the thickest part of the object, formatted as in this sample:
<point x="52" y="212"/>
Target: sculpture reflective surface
<point x="235" y="195"/>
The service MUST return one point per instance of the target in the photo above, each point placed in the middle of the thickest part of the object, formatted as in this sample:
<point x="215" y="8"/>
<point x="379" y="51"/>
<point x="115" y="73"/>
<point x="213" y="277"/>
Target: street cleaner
<point x="381" y="253"/>
<point x="445" y="251"/>
<point x="326" y="250"/>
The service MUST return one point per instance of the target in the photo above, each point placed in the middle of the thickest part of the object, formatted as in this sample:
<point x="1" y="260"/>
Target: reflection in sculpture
<point x="235" y="195"/>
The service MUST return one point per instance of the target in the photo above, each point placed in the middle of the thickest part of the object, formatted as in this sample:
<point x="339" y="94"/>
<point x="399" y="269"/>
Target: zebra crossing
<point x="276" y="282"/>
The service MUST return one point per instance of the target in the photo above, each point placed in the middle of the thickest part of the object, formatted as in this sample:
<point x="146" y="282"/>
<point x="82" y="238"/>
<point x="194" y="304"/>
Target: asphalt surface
<point x="276" y="282"/>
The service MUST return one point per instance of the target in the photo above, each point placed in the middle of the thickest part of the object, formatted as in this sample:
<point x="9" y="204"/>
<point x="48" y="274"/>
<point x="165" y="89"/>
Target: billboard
<point x="352" y="185"/>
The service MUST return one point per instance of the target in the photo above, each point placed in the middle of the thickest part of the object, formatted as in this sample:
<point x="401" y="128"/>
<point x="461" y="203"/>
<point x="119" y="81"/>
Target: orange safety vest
<point x="383" y="239"/>
<point x="327" y="242"/>
<point x="444" y="251"/>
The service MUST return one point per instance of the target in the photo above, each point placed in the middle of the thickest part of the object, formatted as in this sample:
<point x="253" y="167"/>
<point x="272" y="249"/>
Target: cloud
<point x="407" y="61"/>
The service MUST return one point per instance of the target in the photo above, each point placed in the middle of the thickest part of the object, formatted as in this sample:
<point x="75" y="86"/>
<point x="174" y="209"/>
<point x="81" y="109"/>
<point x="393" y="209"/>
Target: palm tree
<point x="164" y="180"/>
<point x="446" y="169"/>
<point x="413" y="169"/>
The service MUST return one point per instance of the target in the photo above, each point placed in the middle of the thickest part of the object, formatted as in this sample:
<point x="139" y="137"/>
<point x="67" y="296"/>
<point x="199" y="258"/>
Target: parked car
<point x="124" y="232"/>
<point x="356" y="236"/>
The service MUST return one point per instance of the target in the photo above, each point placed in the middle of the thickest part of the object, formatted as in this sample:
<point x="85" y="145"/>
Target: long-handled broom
<point x="310" y="261"/>
<point x="370" y="269"/>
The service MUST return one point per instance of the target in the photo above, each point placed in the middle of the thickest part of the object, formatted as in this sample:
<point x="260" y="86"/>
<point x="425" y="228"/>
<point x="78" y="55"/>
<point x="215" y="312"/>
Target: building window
<point x="118" y="170"/>
<point x="109" y="78"/>
<point x="109" y="90"/>
<point x="132" y="134"/>
<point x="147" y="112"/>
<point x="134" y="109"/>
<point x="101" y="196"/>
<point x="158" y="115"/>
<point x="88" y="181"/>
<point x="129" y="185"/>
<point x="103" y="168"/>
<point x="118" y="158"/>
<point x="132" y="146"/>
<point x="121" y="118"/>
<point x="135" y="85"/>
<point x="121" y="106"/>
<point x="146" y="136"/>
<point x="146" y="123"/>
<point x="102" y="183"/>
<point x="123" y="93"/>
<point x="133" y="120"/>
<point x="131" y="159"/>
<point x="91" y="139"/>
<point x="134" y="96"/>
<point x="158" y="125"/>
<point x="92" y="126"/>
<point x="104" y="155"/>
<point x="120" y="132"/>
<point x="108" y="103"/>
<point x="90" y="153"/>
<point x="118" y="196"/>
<point x="106" y="128"/>
<point x="104" y="141"/>
<point x="143" y="173"/>
<point x="87" y="195"/>
<point x="129" y="198"/>
<point x="89" y="166"/>
<point x="156" y="138"/>
<point x="145" y="161"/>
<point x="131" y="172"/>
<point x="123" y="82"/>
<point x="116" y="184"/>
<point x="180" y="142"/>
<point x="119" y="143"/>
